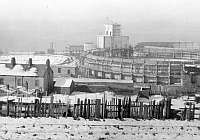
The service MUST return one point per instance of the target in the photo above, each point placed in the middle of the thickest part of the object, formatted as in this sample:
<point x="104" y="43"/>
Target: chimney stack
<point x="30" y="62"/>
<point x="48" y="63"/>
<point x="13" y="62"/>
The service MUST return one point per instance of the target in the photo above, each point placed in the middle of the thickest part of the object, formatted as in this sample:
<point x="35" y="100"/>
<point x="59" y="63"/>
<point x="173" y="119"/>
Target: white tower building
<point x="112" y="38"/>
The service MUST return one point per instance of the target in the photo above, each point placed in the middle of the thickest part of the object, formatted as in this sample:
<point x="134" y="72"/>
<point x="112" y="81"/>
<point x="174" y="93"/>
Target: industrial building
<point x="155" y="64"/>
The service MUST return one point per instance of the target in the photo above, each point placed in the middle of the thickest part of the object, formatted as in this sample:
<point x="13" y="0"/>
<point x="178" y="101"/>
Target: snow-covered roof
<point x="63" y="82"/>
<point x="38" y="59"/>
<point x="17" y="70"/>
<point x="156" y="98"/>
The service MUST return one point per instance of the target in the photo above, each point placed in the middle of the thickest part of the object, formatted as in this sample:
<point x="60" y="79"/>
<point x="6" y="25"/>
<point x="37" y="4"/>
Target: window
<point x="37" y="83"/>
<point x="1" y="81"/>
<point x="59" y="70"/>
<point x="68" y="71"/>
<point x="19" y="82"/>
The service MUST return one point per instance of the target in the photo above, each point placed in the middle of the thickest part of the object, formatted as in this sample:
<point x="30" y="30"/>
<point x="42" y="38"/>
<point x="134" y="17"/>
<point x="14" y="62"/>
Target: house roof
<point x="18" y="70"/>
<point x="63" y="82"/>
<point x="23" y="70"/>
<point x="37" y="59"/>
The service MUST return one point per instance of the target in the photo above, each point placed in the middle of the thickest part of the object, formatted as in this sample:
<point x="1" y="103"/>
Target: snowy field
<point x="67" y="128"/>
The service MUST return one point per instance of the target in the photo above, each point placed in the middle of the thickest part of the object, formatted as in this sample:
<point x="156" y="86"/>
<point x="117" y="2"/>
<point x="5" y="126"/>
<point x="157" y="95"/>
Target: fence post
<point x="190" y="112"/>
<point x="102" y="108"/>
<point x="28" y="109"/>
<point x="150" y="110"/>
<point x="193" y="115"/>
<point x="97" y="108"/>
<point x="81" y="109"/>
<point x="165" y="109"/>
<point x="88" y="109"/>
<point x="15" y="109"/>
<point x="168" y="108"/>
<point x="136" y="109"/>
<point x="141" y="110"/>
<point x="145" y="111"/>
<point x="120" y="110"/>
<point x="77" y="114"/>
<point x="129" y="107"/>
<point x="36" y="108"/>
<point x="105" y="110"/>
<point x="85" y="109"/>
<point x="51" y="108"/>
<point x="161" y="110"/>
<point x="21" y="105"/>
<point x="8" y="108"/>
<point x="32" y="110"/>
<point x="25" y="110"/>
<point x="154" y="109"/>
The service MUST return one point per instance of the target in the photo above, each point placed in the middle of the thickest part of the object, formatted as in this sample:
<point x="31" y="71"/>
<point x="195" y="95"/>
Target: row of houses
<point x="41" y="77"/>
<point x="29" y="75"/>
<point x="62" y="66"/>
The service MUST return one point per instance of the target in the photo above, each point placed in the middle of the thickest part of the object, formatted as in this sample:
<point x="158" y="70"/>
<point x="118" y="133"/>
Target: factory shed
<point x="64" y="86"/>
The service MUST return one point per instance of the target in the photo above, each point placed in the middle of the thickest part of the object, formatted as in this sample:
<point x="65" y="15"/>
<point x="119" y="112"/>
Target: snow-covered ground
<point x="67" y="128"/>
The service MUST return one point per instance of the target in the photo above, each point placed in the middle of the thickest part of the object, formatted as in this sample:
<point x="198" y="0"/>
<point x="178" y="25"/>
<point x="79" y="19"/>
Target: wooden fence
<point x="98" y="108"/>
<point x="36" y="109"/>
<point x="118" y="108"/>
<point x="188" y="113"/>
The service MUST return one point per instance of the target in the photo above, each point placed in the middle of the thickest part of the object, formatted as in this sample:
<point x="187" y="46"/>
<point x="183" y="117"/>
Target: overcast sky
<point x="32" y="24"/>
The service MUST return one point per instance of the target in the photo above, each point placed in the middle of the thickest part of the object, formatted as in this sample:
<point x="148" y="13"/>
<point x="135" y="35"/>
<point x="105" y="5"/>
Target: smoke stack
<point x="30" y="62"/>
<point x="13" y="62"/>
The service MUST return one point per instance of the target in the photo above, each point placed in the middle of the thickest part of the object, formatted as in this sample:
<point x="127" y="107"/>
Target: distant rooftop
<point x="169" y="45"/>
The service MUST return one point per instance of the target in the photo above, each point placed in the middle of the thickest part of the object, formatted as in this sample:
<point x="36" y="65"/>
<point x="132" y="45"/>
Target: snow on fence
<point x="94" y="109"/>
